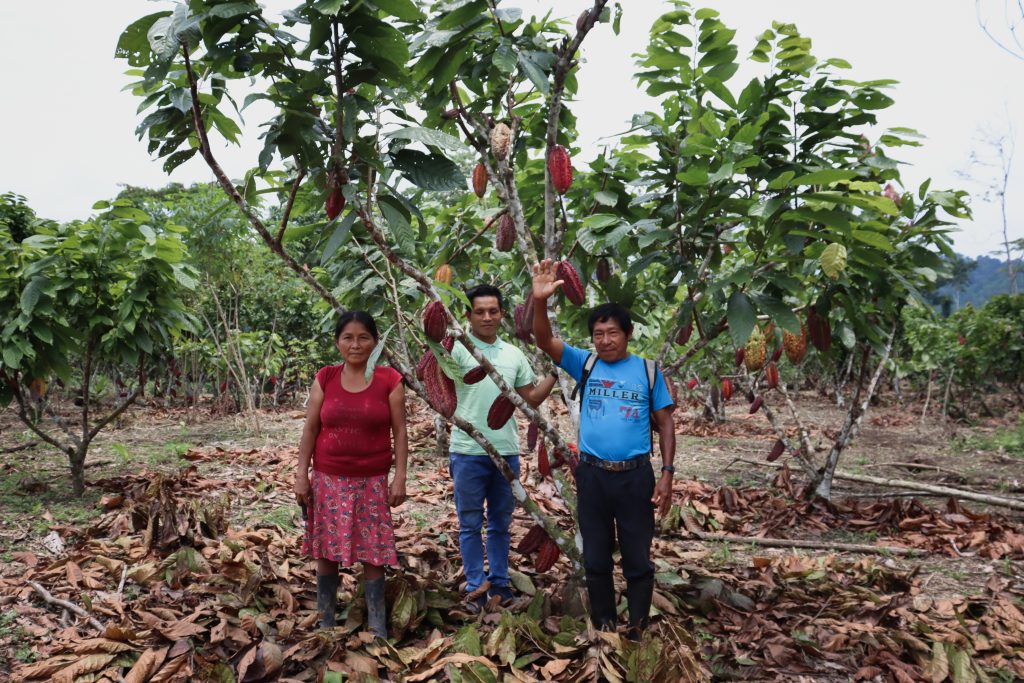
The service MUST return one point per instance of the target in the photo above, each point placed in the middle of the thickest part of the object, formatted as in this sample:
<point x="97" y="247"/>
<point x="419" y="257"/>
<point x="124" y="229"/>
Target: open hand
<point x="544" y="282"/>
<point x="663" y="495"/>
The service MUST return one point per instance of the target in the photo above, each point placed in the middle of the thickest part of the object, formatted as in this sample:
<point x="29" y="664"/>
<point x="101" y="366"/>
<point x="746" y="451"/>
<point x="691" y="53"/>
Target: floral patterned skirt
<point x="350" y="521"/>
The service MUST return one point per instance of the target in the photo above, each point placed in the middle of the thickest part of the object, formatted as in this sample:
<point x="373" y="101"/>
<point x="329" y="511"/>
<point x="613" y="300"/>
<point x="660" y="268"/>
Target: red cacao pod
<point x="500" y="412"/>
<point x="440" y="389"/>
<point x="543" y="464"/>
<point x="684" y="333"/>
<point x="604" y="270"/>
<point x="756" y="405"/>
<point x="776" y="450"/>
<point x="532" y="540"/>
<point x="421" y="367"/>
<point x="505" y="237"/>
<point x="692" y="384"/>
<point x="335" y="203"/>
<point x="771" y="375"/>
<point x="435" y="321"/>
<point x="740" y="354"/>
<point x="777" y="354"/>
<point x="560" y="169"/>
<point x="531" y="435"/>
<point x="726" y="389"/>
<point x="501" y="139"/>
<point x="480" y="179"/>
<point x="448" y="343"/>
<point x="474" y="375"/>
<point x="820" y="332"/>
<point x="523" y="326"/>
<point x="571" y="283"/>
<point x="548" y="555"/>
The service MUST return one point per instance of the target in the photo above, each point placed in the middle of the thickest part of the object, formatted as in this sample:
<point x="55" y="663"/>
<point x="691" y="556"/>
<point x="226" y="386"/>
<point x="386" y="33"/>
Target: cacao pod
<point x="692" y="384"/>
<point x="440" y="388"/>
<point x="776" y="450"/>
<point x="532" y="540"/>
<point x="505" y="237"/>
<point x="795" y="346"/>
<point x="480" y="179"/>
<point x="726" y="389"/>
<point x="571" y="284"/>
<point x="776" y="354"/>
<point x="335" y="203"/>
<point x="755" y="352"/>
<point x="448" y="343"/>
<point x="474" y="375"/>
<point x="756" y="405"/>
<point x="683" y="335"/>
<point x="435" y="321"/>
<point x="560" y="169"/>
<point x="581" y="20"/>
<point x="819" y="330"/>
<point x="740" y="352"/>
<point x="604" y="270"/>
<point x="444" y="274"/>
<point x="531" y="435"/>
<point x="421" y="367"/>
<point x="771" y="375"/>
<point x="449" y="114"/>
<point x="543" y="464"/>
<point x="501" y="138"/>
<point x="500" y="412"/>
<point x="547" y="555"/>
<point x="769" y="330"/>
<point x="524" y="326"/>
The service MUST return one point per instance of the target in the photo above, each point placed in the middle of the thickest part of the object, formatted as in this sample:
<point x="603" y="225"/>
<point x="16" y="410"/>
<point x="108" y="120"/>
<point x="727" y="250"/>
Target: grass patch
<point x="1008" y="440"/>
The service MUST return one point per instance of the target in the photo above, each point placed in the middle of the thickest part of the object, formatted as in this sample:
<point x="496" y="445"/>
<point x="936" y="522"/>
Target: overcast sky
<point x="69" y="130"/>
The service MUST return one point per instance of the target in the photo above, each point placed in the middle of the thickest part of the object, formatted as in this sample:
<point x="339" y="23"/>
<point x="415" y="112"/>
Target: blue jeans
<point x="478" y="481"/>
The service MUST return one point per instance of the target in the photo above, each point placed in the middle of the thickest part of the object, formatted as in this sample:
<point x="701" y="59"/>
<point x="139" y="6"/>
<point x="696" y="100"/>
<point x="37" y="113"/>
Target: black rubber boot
<point x="327" y="599"/>
<point x="639" y="593"/>
<point x="376" y="609"/>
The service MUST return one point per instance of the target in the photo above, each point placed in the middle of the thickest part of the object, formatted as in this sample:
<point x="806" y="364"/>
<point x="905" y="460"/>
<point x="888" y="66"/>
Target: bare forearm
<point x="306" y="444"/>
<point x="542" y="333"/>
<point x="401" y="452"/>
<point x="541" y="390"/>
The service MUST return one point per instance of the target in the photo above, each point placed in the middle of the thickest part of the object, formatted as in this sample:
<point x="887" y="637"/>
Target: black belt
<point x="615" y="465"/>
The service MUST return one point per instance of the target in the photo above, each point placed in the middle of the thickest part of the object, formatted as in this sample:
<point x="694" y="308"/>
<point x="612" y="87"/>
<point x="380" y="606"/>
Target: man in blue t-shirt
<point x="615" y="486"/>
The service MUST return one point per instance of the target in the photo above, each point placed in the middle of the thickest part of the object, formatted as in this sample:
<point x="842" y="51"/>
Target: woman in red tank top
<point x="347" y="442"/>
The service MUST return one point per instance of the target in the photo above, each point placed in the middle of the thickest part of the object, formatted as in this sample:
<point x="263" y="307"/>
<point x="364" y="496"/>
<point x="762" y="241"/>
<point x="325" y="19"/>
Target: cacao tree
<point x="83" y="297"/>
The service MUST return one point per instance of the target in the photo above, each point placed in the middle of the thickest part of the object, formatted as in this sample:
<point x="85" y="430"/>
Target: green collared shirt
<point x="476" y="399"/>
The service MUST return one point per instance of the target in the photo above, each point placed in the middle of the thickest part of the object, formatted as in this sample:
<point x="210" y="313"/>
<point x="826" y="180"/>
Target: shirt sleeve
<point x="394" y="378"/>
<point x="662" y="398"/>
<point x="573" y="360"/>
<point x="323" y="375"/>
<point x="524" y="373"/>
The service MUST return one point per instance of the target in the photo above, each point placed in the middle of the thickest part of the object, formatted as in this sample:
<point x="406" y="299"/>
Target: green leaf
<point x="601" y="220"/>
<point x="405" y="10"/>
<point x="398" y="224"/>
<point x="337" y="238"/>
<point x="429" y="171"/>
<point x="430" y="136"/>
<point x="328" y="8"/>
<point x="371" y="362"/>
<point x="741" y="317"/>
<point x="534" y="72"/>
<point x="30" y="295"/>
<point x="445" y="361"/>
<point x="383" y="42"/>
<point x="779" y="312"/>
<point x="606" y="198"/>
<point x="825" y="177"/>
<point x="133" y="45"/>
<point x="833" y="260"/>
<point x="505" y="59"/>
<point x="874" y="239"/>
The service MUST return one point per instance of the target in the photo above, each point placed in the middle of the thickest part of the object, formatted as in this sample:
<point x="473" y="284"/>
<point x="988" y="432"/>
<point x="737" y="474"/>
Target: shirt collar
<point x="484" y="345"/>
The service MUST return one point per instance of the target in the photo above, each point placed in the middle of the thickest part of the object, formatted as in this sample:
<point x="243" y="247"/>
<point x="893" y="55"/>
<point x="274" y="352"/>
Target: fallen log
<point x="816" y="545"/>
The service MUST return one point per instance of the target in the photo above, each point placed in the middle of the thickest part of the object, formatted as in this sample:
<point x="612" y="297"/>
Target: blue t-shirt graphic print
<point x="616" y="412"/>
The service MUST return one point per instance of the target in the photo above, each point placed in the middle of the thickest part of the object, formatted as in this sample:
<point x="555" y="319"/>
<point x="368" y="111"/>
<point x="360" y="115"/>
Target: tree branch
<point x="288" y="206"/>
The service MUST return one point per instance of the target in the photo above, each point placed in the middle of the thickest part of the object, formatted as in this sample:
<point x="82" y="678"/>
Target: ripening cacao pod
<point x="474" y="375"/>
<point x="440" y="389"/>
<point x="819" y="330"/>
<point x="523" y="327"/>
<point x="571" y="284"/>
<point x="740" y="352"/>
<point x="531" y="435"/>
<point x="604" y="270"/>
<point x="692" y="384"/>
<point x="771" y="375"/>
<point x="528" y="314"/>
<point x="501" y="410"/>
<point x="543" y="464"/>
<point x="448" y="343"/>
<point x="581" y="20"/>
<point x="776" y="354"/>
<point x="444" y="274"/>
<point x="560" y="169"/>
<point x="480" y="179"/>
<point x="776" y="450"/>
<point x="795" y="345"/>
<point x="755" y="352"/>
<point x="335" y="203"/>
<point x="435" y="321"/>
<point x="683" y="335"/>
<point x="532" y="540"/>
<point x="547" y="555"/>
<point x="769" y="330"/>
<point x="501" y="138"/>
<point x="505" y="237"/>
<point x="421" y="367"/>
<point x="726" y="389"/>
<point x="756" y="405"/>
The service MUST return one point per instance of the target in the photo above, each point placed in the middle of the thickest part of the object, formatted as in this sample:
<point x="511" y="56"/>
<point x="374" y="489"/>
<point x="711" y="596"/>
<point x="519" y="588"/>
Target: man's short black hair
<point x="484" y="290"/>
<point x="610" y="311"/>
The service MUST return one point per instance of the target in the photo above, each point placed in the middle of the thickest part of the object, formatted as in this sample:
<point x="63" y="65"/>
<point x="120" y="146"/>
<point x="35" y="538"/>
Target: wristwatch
<point x="668" y="468"/>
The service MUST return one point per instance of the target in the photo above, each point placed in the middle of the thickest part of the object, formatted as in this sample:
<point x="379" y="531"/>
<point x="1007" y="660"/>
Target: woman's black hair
<point x="357" y="316"/>
<point x="610" y="311"/>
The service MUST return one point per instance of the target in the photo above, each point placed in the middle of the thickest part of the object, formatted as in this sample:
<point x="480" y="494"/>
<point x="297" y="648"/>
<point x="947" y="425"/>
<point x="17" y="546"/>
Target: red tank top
<point x="355" y="428"/>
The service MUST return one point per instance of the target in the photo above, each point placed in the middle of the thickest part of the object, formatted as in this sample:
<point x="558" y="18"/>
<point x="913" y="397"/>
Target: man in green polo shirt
<point x="478" y="483"/>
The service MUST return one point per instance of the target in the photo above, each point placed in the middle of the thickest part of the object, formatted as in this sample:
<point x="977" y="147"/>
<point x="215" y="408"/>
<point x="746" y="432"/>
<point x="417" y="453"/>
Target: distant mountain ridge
<point x="988" y="279"/>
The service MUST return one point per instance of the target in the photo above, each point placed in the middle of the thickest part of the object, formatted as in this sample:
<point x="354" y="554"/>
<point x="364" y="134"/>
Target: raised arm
<point x="544" y="285"/>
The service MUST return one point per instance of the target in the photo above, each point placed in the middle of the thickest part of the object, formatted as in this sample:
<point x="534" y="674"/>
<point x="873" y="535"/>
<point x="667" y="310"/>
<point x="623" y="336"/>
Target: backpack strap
<point x="588" y="367"/>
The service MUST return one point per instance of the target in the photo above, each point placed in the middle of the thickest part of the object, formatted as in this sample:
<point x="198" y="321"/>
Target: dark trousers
<point x="618" y="504"/>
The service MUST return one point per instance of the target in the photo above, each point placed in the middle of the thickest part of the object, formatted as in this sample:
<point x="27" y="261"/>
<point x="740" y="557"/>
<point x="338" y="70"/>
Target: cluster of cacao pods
<point x="571" y="283"/>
